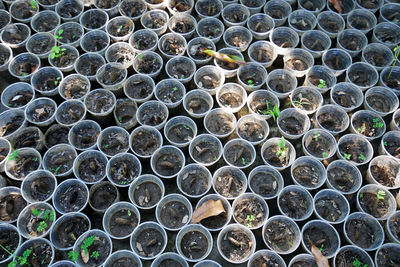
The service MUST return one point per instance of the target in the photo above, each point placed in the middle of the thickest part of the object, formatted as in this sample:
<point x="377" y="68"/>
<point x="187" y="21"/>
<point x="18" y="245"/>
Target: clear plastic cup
<point x="35" y="44"/>
<point x="278" y="10"/>
<point x="273" y="143"/>
<point x="240" y="14"/>
<point x="346" y="7"/>
<point x="12" y="117"/>
<point x="193" y="50"/>
<point x="330" y="23"/>
<point x="211" y="28"/>
<point x="34" y="181"/>
<point x="7" y="33"/>
<point x="260" y="25"/>
<point x="301" y="258"/>
<point x="287" y="120"/>
<point x="304" y="194"/>
<point x="32" y="135"/>
<point x="183" y="24"/>
<point x="73" y="192"/>
<point x="388" y="144"/>
<point x="391" y="227"/>
<point x="27" y="215"/>
<point x="281" y="82"/>
<point x="384" y="252"/>
<point x="372" y="7"/>
<point x="257" y="102"/>
<point x="378" y="55"/>
<point x="15" y="91"/>
<point x="313" y="6"/>
<point x="257" y="201"/>
<point x="174" y="154"/>
<point x="263" y="179"/>
<point x="125" y="113"/>
<point x="115" y="28"/>
<point x="389" y="13"/>
<point x="227" y="212"/>
<point x="107" y="201"/>
<point x="176" y="7"/>
<point x="298" y="61"/>
<point x="205" y="178"/>
<point x="90" y="157"/>
<point x="122" y="254"/>
<point x="18" y="69"/>
<point x="131" y="169"/>
<point x="71" y="33"/>
<point x="41" y="243"/>
<point x="302" y="21"/>
<point x="34" y="111"/>
<point x="100" y="103"/>
<point x="88" y="64"/>
<point x="180" y="121"/>
<point x="67" y="65"/>
<point x="147" y="226"/>
<point x="208" y="8"/>
<point x="335" y="181"/>
<point x="172" y="40"/>
<point x="5" y="17"/>
<point x="365" y="70"/>
<point x="111" y="82"/>
<point x="69" y="10"/>
<point x="347" y="141"/>
<point x="380" y="164"/>
<point x="306" y="99"/>
<point x="229" y="70"/>
<point x="333" y="124"/>
<point x="360" y="255"/>
<point x="113" y="140"/>
<point x="252" y="124"/>
<point x="253" y="6"/>
<point x="219" y="116"/>
<point x="8" y="54"/>
<point x="386" y="33"/>
<point x="308" y="163"/>
<point x="262" y="52"/>
<point x="361" y="19"/>
<point x="209" y="79"/>
<point x="139" y="88"/>
<point x="348" y="96"/>
<point x="13" y="192"/>
<point x="246" y="147"/>
<point x="89" y="24"/>
<point x="136" y="40"/>
<point x="155" y="141"/>
<point x="237" y="37"/>
<point x="46" y="81"/>
<point x="180" y="68"/>
<point x="23" y="11"/>
<point x="283" y="38"/>
<point x="169" y="258"/>
<point x="155" y="20"/>
<point x="149" y="58"/>
<point x="112" y="211"/>
<point x="83" y="128"/>
<point x="120" y="52"/>
<point x="336" y="60"/>
<point x="235" y="173"/>
<point x="252" y="76"/>
<point x="64" y="88"/>
<point x="59" y="160"/>
<point x="368" y="124"/>
<point x="187" y="230"/>
<point x="6" y="147"/>
<point x="194" y="100"/>
<point x="96" y="41"/>
<point x="133" y="9"/>
<point x="234" y="92"/>
<point x="161" y="112"/>
<point x="205" y="142"/>
<point x="316" y="139"/>
<point x="337" y="200"/>
<point x="144" y="179"/>
<point x="10" y="229"/>
<point x="101" y="238"/>
<point x="394" y="123"/>
<point x="23" y="156"/>
<point x="316" y="42"/>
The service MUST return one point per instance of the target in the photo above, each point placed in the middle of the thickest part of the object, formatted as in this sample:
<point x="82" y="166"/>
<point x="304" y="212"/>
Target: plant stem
<point x="1" y="246"/>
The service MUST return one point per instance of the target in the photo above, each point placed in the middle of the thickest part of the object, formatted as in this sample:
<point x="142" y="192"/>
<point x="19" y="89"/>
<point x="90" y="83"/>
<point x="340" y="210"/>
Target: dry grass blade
<point x="321" y="260"/>
<point x="337" y="4"/>
<point x="224" y="57"/>
<point x="208" y="209"/>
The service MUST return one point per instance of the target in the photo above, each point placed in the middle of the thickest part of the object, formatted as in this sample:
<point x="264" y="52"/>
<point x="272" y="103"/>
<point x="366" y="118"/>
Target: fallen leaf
<point x="224" y="57"/>
<point x="208" y="209"/>
<point x="321" y="260"/>
<point x="337" y="4"/>
<point x="85" y="256"/>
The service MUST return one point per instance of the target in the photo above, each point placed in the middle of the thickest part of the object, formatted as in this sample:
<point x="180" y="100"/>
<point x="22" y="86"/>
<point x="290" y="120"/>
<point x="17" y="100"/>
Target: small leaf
<point x="208" y="209"/>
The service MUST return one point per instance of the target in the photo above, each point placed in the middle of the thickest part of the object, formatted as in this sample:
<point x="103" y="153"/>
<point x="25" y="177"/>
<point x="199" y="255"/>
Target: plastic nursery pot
<point x="308" y="172"/>
<point x="395" y="122"/>
<point x="113" y="140"/>
<point x="69" y="10"/>
<point x="120" y="28"/>
<point x="120" y="52"/>
<point x="387" y="254"/>
<point x="229" y="239"/>
<point x="306" y="99"/>
<point x="168" y="258"/>
<point x="302" y="21"/>
<point x="41" y="250"/>
<point x="388" y="13"/>
<point x="389" y="144"/>
<point x="372" y="7"/>
<point x="315" y="42"/>
<point x="65" y="62"/>
<point x="111" y="76"/>
<point x="250" y="210"/>
<point x="123" y="168"/>
<point x="5" y="148"/>
<point x="228" y="69"/>
<point x="69" y="33"/>
<point x="24" y="65"/>
<point x="332" y="118"/>
<point x="173" y="212"/>
<point x="123" y="256"/>
<point x="210" y="28"/>
<point x="348" y="254"/>
<point x="11" y="196"/>
<point x="144" y="140"/>
<point x="331" y="206"/>
<point x="46" y="81"/>
<point x="17" y="95"/>
<point x="180" y="130"/>
<point x="125" y="113"/>
<point x="180" y="68"/>
<point x="197" y="103"/>
<point x="28" y="137"/>
<point x="152" y="113"/>
<point x="362" y="74"/>
<point x="298" y="61"/>
<point x="102" y="195"/>
<point x="6" y="54"/>
<point x="260" y="26"/>
<point x="370" y="195"/>
<point x="319" y="143"/>
<point x="100" y="102"/>
<point x="96" y="41"/>
<point x="362" y="20"/>
<point x="74" y="86"/>
<point x="390" y="77"/>
<point x="231" y="97"/>
<point x="209" y="79"/>
<point x="148" y="63"/>
<point x="251" y="76"/>
<point x="252" y="128"/>
<point x="266" y="257"/>
<point x="293" y="123"/>
<point x="67" y="228"/>
<point x="189" y="237"/>
<point x="253" y="6"/>
<point x="183" y="24"/>
<point x="193" y="49"/>
<point x="392" y="227"/>
<point x="205" y="149"/>
<point x="83" y="135"/>
<point x="12" y="121"/>
<point x="313" y="6"/>
<point x="220" y="122"/>
<point x="281" y="83"/>
<point x="208" y="8"/>
<point x="281" y="234"/>
<point x="146" y="191"/>
<point x="155" y="20"/>
<point x="8" y="36"/>
<point x="362" y="223"/>
<point x="330" y="23"/>
<point x="355" y="148"/>
<point x="229" y="182"/>
<point x="102" y="244"/>
<point x="295" y="202"/>
<point x="139" y="88"/>
<point x="143" y="40"/>
<point x="46" y="4"/>
<point x="11" y="239"/>
<point x="343" y="176"/>
<point x="237" y="37"/>
<point x="381" y="101"/>
<point x="41" y="111"/>
<point x="235" y="15"/>
<point x="367" y="123"/>
<point x="149" y="240"/>
<point x="172" y="45"/>
<point x="194" y="180"/>
<point x="278" y="11"/>
<point x="278" y="153"/>
<point x="120" y="220"/>
<point x="133" y="9"/>
<point x="70" y="112"/>
<point x="167" y="161"/>
<point x="88" y="64"/>
<point x="261" y="101"/>
<point x="94" y="19"/>
<point x="90" y="166"/>
<point x="22" y="162"/>
<point x="111" y="7"/>
<point x="36" y="220"/>
<point x="40" y="44"/>
<point x="284" y="39"/>
<point x="239" y="153"/>
<point x="262" y="52"/>
<point x="302" y="259"/>
<point x="23" y="11"/>
<point x="63" y="263"/>
<point x="386" y="33"/>
<point x="5" y="18"/>
<point x="348" y="96"/>
<point x="266" y="182"/>
<point x="176" y="7"/>
<point x="38" y="186"/>
<point x="346" y="7"/>
<point x="56" y="134"/>
<point x="70" y="196"/>
<point x="337" y="60"/>
<point x="382" y="170"/>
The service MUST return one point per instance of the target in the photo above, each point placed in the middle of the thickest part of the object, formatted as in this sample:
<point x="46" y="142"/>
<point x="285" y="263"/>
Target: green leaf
<point x="95" y="255"/>
<point x="36" y="212"/>
<point x="73" y="255"/>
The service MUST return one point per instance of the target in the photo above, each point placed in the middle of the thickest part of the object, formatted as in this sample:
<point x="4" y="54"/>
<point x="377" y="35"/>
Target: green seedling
<point x="361" y="157"/>
<point x="56" y="52"/>
<point x="140" y="56"/>
<point x="22" y="260"/>
<point x="316" y="135"/>
<point x="73" y="36"/>
<point x="57" y="81"/>
<point x="361" y="195"/>
<point x="95" y="255"/>
<point x="123" y="182"/>
<point x="182" y="77"/>
<point x="73" y="255"/>
<point x="217" y="30"/>
<point x="250" y="83"/>
<point x="129" y="213"/>
<point x="301" y="102"/>
<point x="186" y="127"/>
<point x="138" y="44"/>
<point x="42" y="226"/>
<point x="396" y="51"/>
<point x="58" y="35"/>
<point x="120" y="28"/>
<point x="282" y="148"/>
<point x="321" y="248"/>
<point x="24" y="74"/>
<point x="322" y="83"/>
<point x="175" y="88"/>
<point x="13" y="155"/>
<point x="377" y="123"/>
<point x="347" y="156"/>
<point x="274" y="113"/>
<point x="357" y="263"/>
<point x="384" y="143"/>
<point x="120" y="119"/>
<point x="33" y="4"/>
<point x="35" y="159"/>
<point x="243" y="161"/>
<point x="107" y="146"/>
<point x="360" y="129"/>
<point x="250" y="219"/>
<point x="324" y="155"/>
<point x="55" y="171"/>
<point x="381" y="194"/>
<point x="215" y="158"/>
<point x="87" y="242"/>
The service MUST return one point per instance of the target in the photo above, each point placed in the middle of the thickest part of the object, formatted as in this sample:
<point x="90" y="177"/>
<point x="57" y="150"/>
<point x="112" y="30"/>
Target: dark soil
<point x="283" y="42"/>
<point x="148" y="64"/>
<point x="180" y="70"/>
<point x="237" y="40"/>
<point x="360" y="233"/>
<point x="12" y="125"/>
<point x="261" y="104"/>
<point x="376" y="58"/>
<point x="238" y="155"/>
<point x="393" y="147"/>
<point x="149" y="242"/>
<point x="4" y="55"/>
<point x="228" y="185"/>
<point x="275" y="13"/>
<point x="235" y="16"/>
<point x="347" y="257"/>
<point x="330" y="121"/>
<point x="251" y="131"/>
<point x="209" y="81"/>
<point x="95" y="20"/>
<point x="205" y="152"/>
<point x="194" y="245"/>
<point x="72" y="198"/>
<point x="335" y="62"/>
<point x="296" y="64"/>
<point x="341" y="179"/>
<point x="69" y="10"/>
<point x="314" y="44"/>
<point x="170" y="263"/>
<point x="43" y="112"/>
<point x="11" y="206"/>
<point x="249" y="207"/>
<point x="75" y="88"/>
<point x="99" y="102"/>
<point x="360" y="23"/>
<point x="319" y="238"/>
<point x="23" y="10"/>
<point x="198" y="105"/>
<point x="236" y="245"/>
<point x="356" y="150"/>
<point x="262" y="55"/>
<point x="351" y="43"/>
<point x="67" y="59"/>
<point x="251" y="78"/>
<point x="41" y="46"/>
<point x="29" y="138"/>
<point x="123" y="171"/>
<point x="15" y="34"/>
<point x="280" y="235"/>
<point x="170" y="95"/>
<point x="41" y="254"/>
<point x="194" y="182"/>
<point x="114" y="142"/>
<point x="264" y="184"/>
<point x="208" y="8"/>
<point x="20" y="98"/>
<point x="373" y="205"/>
<point x="172" y="47"/>
<point x="328" y="208"/>
<point x="209" y="31"/>
<point x="48" y="81"/>
<point x="88" y="66"/>
<point x="388" y="257"/>
<point x="369" y="4"/>
<point x="71" y="35"/>
<point x="183" y="27"/>
<point x="41" y="188"/>
<point x="25" y="68"/>
<point x="281" y="84"/>
<point x="270" y="155"/>
<point x="145" y="143"/>
<point x="132" y="9"/>
<point x="138" y="88"/>
<point x="123" y="222"/>
<point x="360" y="77"/>
<point x="144" y="42"/>
<point x="102" y="246"/>
<point x="330" y="25"/>
<point x="4" y="151"/>
<point x="91" y="169"/>
<point x="168" y="164"/>
<point x="120" y="28"/>
<point x="86" y="137"/>
<point x="60" y="162"/>
<point x="379" y="103"/>
<point x="345" y="99"/>
<point x="180" y="133"/>
<point x="301" y="24"/>
<point x="306" y="175"/>
<point x="385" y="174"/>
<point x="318" y="146"/>
<point x="33" y="221"/>
<point x="24" y="165"/>
<point x="103" y="197"/>
<point x="179" y="5"/>
<point x="107" y="4"/>
<point x="69" y="231"/>
<point x="125" y="262"/>
<point x="111" y="75"/>
<point x="294" y="204"/>
<point x="393" y="83"/>
<point x="56" y="135"/>
<point x="46" y="23"/>
<point x="220" y="124"/>
<point x="147" y="194"/>
<point x="71" y="114"/>
<point x="311" y="6"/>
<point x="9" y="240"/>
<point x="124" y="56"/>
<point x="291" y="125"/>
<point x="266" y="260"/>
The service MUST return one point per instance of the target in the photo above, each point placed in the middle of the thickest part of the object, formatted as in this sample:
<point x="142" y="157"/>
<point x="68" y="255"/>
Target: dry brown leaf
<point x="337" y="4"/>
<point x="208" y="209"/>
<point x="321" y="260"/>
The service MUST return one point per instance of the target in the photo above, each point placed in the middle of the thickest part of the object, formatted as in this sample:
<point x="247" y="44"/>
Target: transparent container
<point x="63" y="263"/>
<point x="320" y="78"/>
<point x="308" y="164"/>
<point x="90" y="157"/>
<point x="142" y="61"/>
<point x="105" y="77"/>
<point x="11" y="118"/>
<point x="301" y="258"/>
<point x="197" y="103"/>
<point x="89" y="23"/>
<point x="266" y="182"/>
<point x="273" y="145"/>
<point x="252" y="128"/>
<point x="334" y="124"/>
<point x="176" y="7"/>
<point x="125" y="113"/>
<point x="173" y="126"/>
<point x="115" y="28"/>
<point x="298" y="61"/>
<point x="368" y="124"/>
<point x="260" y="101"/>
<point x="5" y="147"/>
<point x="260" y="26"/>
<point x="332" y="198"/>
<point x="252" y="76"/>
<point x="156" y="5"/>
<point x="235" y="15"/>
<point x="70" y="32"/>
<point x="224" y="125"/>
<point x="46" y="81"/>
<point x="12" y="192"/>
<point x="313" y="6"/>
<point x="5" y="17"/>
<point x="136" y="40"/>
<point x="394" y="123"/>
<point x="235" y="173"/>
<point x="7" y="34"/>
<point x="262" y="52"/>
<point x="316" y="140"/>
<point x="203" y="143"/>
<point x="389" y="13"/>
<point x="330" y="23"/>
<point x="283" y="38"/>
<point x="28" y="137"/>
<point x="34" y="185"/>
<point x="343" y="168"/>
<point x="73" y="81"/>
<point x="246" y="147"/>
<point x="24" y="156"/>
<point x="360" y="255"/>
<point x="388" y="144"/>
<point x="8" y="55"/>
<point x="87" y="128"/>
<point x="306" y="99"/>
<point x="113" y="140"/>
<point x="346" y="142"/>
<point x="255" y="200"/>
<point x="209" y="79"/>
<point x="181" y="68"/>
<point x="161" y="112"/>
<point x="41" y="44"/>
<point x="278" y="10"/>
<point x="253" y="6"/>
<point x="37" y="243"/>
<point x="237" y="37"/>
<point x="193" y="50"/>
<point x="112" y="211"/>
<point x="391" y="227"/>
<point x="73" y="192"/>
<point x="122" y="254"/>
<point x="384" y="252"/>
<point x="43" y="3"/>
<point x="150" y="146"/>
<point x="290" y="227"/>
<point x="227" y="214"/>
<point x="183" y="24"/>
<point x="13" y="92"/>
<point x="24" y="66"/>
<point x="66" y="65"/>
<point x="330" y="233"/>
<point x="145" y="227"/>
<point x="382" y="165"/>
<point x="142" y="180"/>
<point x="106" y="202"/>
<point x="337" y="60"/>
<point x="208" y="8"/>
<point x="229" y="70"/>
<point x="287" y="121"/>
<point x="27" y="215"/>
<point x="211" y="28"/>
<point x="100" y="103"/>
<point x="386" y="33"/>
<point x="23" y="11"/>
<point x="4" y="228"/>
<point x="139" y="88"/>
<point x="316" y="42"/>
<point x="281" y="82"/>
<point x="131" y="169"/>
<point x="203" y="175"/>
<point x="162" y="154"/>
<point x="302" y="21"/>
<point x="346" y="7"/>
<point x="34" y="111"/>
<point x="234" y="92"/>
<point x="378" y="55"/>
<point x="96" y="41"/>
<point x="69" y="10"/>
<point x="389" y="78"/>
<point x="110" y="7"/>
<point x="373" y="224"/>
<point x="102" y="239"/>
<point x="155" y="20"/>
<point x="303" y="194"/>
<point x="120" y="52"/>
<point x="170" y="41"/>
<point x="187" y="230"/>
<point x="88" y="64"/>
<point x="362" y="74"/>
<point x="361" y="19"/>
<point x="169" y="258"/>
<point x="348" y="96"/>
<point x="133" y="9"/>
<point x="372" y="7"/>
